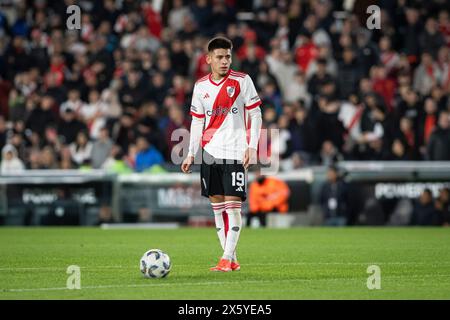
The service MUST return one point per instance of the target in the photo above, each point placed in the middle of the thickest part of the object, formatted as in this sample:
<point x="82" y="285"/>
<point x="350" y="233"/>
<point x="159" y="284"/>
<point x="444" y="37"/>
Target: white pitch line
<point x="214" y="283"/>
<point x="61" y="268"/>
<point x="247" y="265"/>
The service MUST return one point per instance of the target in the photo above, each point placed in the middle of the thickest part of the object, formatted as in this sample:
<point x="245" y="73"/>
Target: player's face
<point x="220" y="61"/>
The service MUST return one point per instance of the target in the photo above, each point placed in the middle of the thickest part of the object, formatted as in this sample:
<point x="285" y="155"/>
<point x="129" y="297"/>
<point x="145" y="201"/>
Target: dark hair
<point x="219" y="43"/>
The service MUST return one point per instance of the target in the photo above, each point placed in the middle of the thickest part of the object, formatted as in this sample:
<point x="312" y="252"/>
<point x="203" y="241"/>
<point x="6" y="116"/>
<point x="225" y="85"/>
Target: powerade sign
<point x="91" y="193"/>
<point x="407" y="190"/>
<point x="40" y="196"/>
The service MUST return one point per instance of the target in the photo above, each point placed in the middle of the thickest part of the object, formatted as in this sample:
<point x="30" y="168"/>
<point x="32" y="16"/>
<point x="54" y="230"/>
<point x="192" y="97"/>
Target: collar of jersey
<point x="221" y="81"/>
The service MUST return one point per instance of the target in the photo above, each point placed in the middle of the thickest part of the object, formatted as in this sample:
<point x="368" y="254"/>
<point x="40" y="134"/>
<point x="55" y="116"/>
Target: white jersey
<point x="224" y="106"/>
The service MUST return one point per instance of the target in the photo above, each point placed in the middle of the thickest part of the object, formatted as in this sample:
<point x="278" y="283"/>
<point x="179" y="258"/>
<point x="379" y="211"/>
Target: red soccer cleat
<point x="224" y="265"/>
<point x="235" y="266"/>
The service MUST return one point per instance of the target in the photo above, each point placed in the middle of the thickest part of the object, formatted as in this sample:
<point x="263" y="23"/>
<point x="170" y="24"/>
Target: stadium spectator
<point x="3" y="132"/>
<point x="133" y="92"/>
<point x="93" y="113"/>
<point x="367" y="52"/>
<point x="81" y="149"/>
<point x="34" y="159"/>
<point x="42" y="116"/>
<point x="306" y="50"/>
<point x="48" y="159"/>
<point x="124" y="132"/>
<point x="329" y="154"/>
<point x="325" y="53"/>
<point x="177" y="120"/>
<point x="300" y="128"/>
<point x="383" y="85"/>
<point x="10" y="162"/>
<point x="328" y="125"/>
<point x="319" y="78"/>
<point x="66" y="162"/>
<point x="69" y="126"/>
<point x="349" y="72"/>
<point x="427" y="74"/>
<point x="264" y="76"/>
<point x="389" y="58"/>
<point x="334" y="199"/>
<point x="439" y="142"/>
<point x="431" y="39"/>
<point x="115" y="162"/>
<point x="296" y="90"/>
<point x="149" y="126"/>
<point x="101" y="149"/>
<point x="73" y="102"/>
<point x="408" y="137"/>
<point x="129" y="54"/>
<point x="250" y="43"/>
<point x="281" y="66"/>
<point x="398" y="151"/>
<point x="267" y="194"/>
<point x="428" y="122"/>
<point x="147" y="155"/>
<point x="442" y="206"/>
<point x="424" y="213"/>
<point x="408" y="34"/>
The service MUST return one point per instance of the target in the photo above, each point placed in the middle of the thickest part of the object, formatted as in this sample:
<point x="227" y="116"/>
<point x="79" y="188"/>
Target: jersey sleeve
<point x="197" y="109"/>
<point x="251" y="97"/>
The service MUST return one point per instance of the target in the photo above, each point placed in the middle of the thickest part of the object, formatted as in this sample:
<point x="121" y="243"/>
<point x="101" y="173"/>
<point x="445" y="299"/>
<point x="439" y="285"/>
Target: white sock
<point x="218" y="209"/>
<point x="233" y="209"/>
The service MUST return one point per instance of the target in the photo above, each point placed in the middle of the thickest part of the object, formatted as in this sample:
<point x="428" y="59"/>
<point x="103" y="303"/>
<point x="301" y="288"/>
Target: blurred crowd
<point x="111" y="94"/>
<point x="337" y="203"/>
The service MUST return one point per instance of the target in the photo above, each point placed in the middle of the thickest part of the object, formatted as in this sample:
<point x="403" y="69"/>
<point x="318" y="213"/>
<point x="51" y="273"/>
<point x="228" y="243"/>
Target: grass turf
<point x="299" y="263"/>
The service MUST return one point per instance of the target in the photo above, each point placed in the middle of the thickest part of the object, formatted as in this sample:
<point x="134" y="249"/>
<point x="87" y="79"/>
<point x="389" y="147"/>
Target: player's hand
<point x="187" y="163"/>
<point x="249" y="158"/>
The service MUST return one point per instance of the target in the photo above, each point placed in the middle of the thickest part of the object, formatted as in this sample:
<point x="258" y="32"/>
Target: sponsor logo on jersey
<point x="206" y="96"/>
<point x="222" y="110"/>
<point x="239" y="189"/>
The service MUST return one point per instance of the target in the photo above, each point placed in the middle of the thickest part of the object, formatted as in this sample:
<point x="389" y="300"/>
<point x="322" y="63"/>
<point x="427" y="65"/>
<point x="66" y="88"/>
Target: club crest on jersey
<point x="230" y="91"/>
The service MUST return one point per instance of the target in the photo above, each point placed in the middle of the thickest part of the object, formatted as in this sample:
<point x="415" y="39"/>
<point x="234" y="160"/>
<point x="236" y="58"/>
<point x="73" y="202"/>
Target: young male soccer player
<point x="222" y="103"/>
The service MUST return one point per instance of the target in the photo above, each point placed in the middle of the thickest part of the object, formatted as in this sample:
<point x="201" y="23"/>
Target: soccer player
<point x="222" y="104"/>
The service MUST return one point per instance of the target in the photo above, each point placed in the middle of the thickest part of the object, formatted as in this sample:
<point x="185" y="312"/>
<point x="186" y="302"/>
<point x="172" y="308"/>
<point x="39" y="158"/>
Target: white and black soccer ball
<point x="155" y="264"/>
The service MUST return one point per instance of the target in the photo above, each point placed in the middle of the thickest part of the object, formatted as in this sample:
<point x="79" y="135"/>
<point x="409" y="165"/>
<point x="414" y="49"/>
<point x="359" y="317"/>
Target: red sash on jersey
<point x="225" y="99"/>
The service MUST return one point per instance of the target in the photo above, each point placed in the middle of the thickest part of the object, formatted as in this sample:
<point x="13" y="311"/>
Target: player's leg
<point x="233" y="206"/>
<point x="233" y="212"/>
<point x="263" y="219"/>
<point x="220" y="219"/>
<point x="234" y="185"/>
<point x="233" y="182"/>
<point x="211" y="185"/>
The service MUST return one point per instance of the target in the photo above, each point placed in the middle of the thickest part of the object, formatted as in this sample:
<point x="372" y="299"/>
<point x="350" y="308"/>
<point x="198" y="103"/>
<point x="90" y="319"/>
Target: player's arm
<point x="252" y="106"/>
<point x="255" y="130"/>
<point x="197" y="124"/>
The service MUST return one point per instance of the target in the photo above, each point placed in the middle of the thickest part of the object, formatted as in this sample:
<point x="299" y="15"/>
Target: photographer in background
<point x="267" y="194"/>
<point x="334" y="199"/>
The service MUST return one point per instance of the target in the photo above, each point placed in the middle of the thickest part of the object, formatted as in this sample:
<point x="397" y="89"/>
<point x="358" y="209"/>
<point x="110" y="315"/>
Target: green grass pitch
<point x="298" y="263"/>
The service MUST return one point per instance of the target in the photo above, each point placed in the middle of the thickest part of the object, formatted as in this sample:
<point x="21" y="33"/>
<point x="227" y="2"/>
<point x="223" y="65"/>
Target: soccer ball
<point x="155" y="264"/>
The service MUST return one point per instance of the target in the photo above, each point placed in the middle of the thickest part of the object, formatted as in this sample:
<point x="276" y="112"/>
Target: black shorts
<point x="223" y="177"/>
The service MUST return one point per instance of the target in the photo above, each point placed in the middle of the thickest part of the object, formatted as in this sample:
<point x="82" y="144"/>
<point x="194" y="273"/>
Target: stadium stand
<point x="110" y="95"/>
